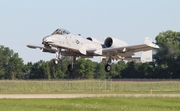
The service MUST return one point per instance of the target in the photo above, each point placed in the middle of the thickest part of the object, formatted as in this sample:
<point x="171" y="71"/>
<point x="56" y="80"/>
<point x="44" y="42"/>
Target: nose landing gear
<point x="56" y="61"/>
<point x="70" y="67"/>
<point x="58" y="55"/>
<point x="107" y="61"/>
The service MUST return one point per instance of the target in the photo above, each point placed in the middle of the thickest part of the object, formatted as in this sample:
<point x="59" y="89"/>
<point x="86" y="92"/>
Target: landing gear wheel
<point x="70" y="68"/>
<point x="56" y="61"/>
<point x="107" y="68"/>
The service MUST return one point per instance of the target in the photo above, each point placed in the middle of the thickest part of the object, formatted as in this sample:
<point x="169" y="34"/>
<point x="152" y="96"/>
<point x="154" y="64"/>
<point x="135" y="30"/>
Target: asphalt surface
<point x="83" y="95"/>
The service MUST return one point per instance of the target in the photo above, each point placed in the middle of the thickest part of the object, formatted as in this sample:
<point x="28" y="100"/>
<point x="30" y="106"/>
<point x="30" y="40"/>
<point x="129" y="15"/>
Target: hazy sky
<point x="28" y="21"/>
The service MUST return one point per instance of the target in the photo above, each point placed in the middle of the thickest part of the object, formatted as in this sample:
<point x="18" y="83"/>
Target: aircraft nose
<point x="46" y="39"/>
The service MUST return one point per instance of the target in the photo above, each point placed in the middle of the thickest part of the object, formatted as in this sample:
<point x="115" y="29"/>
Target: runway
<point x="18" y="96"/>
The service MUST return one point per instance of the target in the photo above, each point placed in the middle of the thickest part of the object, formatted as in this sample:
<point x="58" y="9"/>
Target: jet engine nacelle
<point x="94" y="40"/>
<point x="111" y="42"/>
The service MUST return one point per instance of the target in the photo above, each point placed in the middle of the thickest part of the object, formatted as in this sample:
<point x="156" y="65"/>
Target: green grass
<point x="92" y="104"/>
<point x="88" y="86"/>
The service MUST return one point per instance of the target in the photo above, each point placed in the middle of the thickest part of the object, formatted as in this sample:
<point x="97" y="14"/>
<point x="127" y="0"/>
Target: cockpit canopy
<point x="60" y="32"/>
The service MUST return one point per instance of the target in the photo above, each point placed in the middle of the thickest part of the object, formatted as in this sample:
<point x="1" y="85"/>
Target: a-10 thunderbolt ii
<point x="62" y="43"/>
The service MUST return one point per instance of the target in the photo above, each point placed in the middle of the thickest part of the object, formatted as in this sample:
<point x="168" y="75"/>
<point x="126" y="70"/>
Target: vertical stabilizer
<point x="146" y="56"/>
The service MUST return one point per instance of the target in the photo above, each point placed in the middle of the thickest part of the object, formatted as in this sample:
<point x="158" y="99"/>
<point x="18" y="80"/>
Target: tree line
<point x="166" y="64"/>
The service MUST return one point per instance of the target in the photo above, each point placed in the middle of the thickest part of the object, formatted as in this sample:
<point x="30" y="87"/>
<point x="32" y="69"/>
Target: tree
<point x="100" y="73"/>
<point x="131" y="71"/>
<point x="37" y="71"/>
<point x="15" y="66"/>
<point x="84" y="69"/>
<point x="120" y="66"/>
<point x="168" y="55"/>
<point x="3" y="61"/>
<point x="10" y="64"/>
<point x="113" y="73"/>
<point x="27" y="69"/>
<point x="56" y="70"/>
<point x="89" y="69"/>
<point x="46" y="70"/>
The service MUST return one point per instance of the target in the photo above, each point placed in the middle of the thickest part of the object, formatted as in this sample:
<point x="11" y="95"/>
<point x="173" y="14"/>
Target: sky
<point x="28" y="21"/>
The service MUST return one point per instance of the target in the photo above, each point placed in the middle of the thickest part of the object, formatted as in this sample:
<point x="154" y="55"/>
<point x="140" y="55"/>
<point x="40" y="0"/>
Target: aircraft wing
<point x="129" y="50"/>
<point x="53" y="50"/>
<point x="125" y="51"/>
<point x="42" y="48"/>
<point x="34" y="46"/>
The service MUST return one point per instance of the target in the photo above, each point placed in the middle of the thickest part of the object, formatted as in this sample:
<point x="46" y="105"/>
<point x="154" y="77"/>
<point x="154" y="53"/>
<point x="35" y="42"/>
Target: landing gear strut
<point x="70" y="66"/>
<point x="58" y="55"/>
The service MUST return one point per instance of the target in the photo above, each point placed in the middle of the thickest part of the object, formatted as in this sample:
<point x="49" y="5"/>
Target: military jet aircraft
<point x="62" y="43"/>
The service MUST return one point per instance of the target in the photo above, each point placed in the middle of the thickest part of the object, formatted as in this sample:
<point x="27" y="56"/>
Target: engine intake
<point x="113" y="42"/>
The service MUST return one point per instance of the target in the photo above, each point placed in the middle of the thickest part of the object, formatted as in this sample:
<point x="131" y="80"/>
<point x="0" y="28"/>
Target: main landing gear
<point x="70" y="67"/>
<point x="107" y="67"/>
<point x="107" y="61"/>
